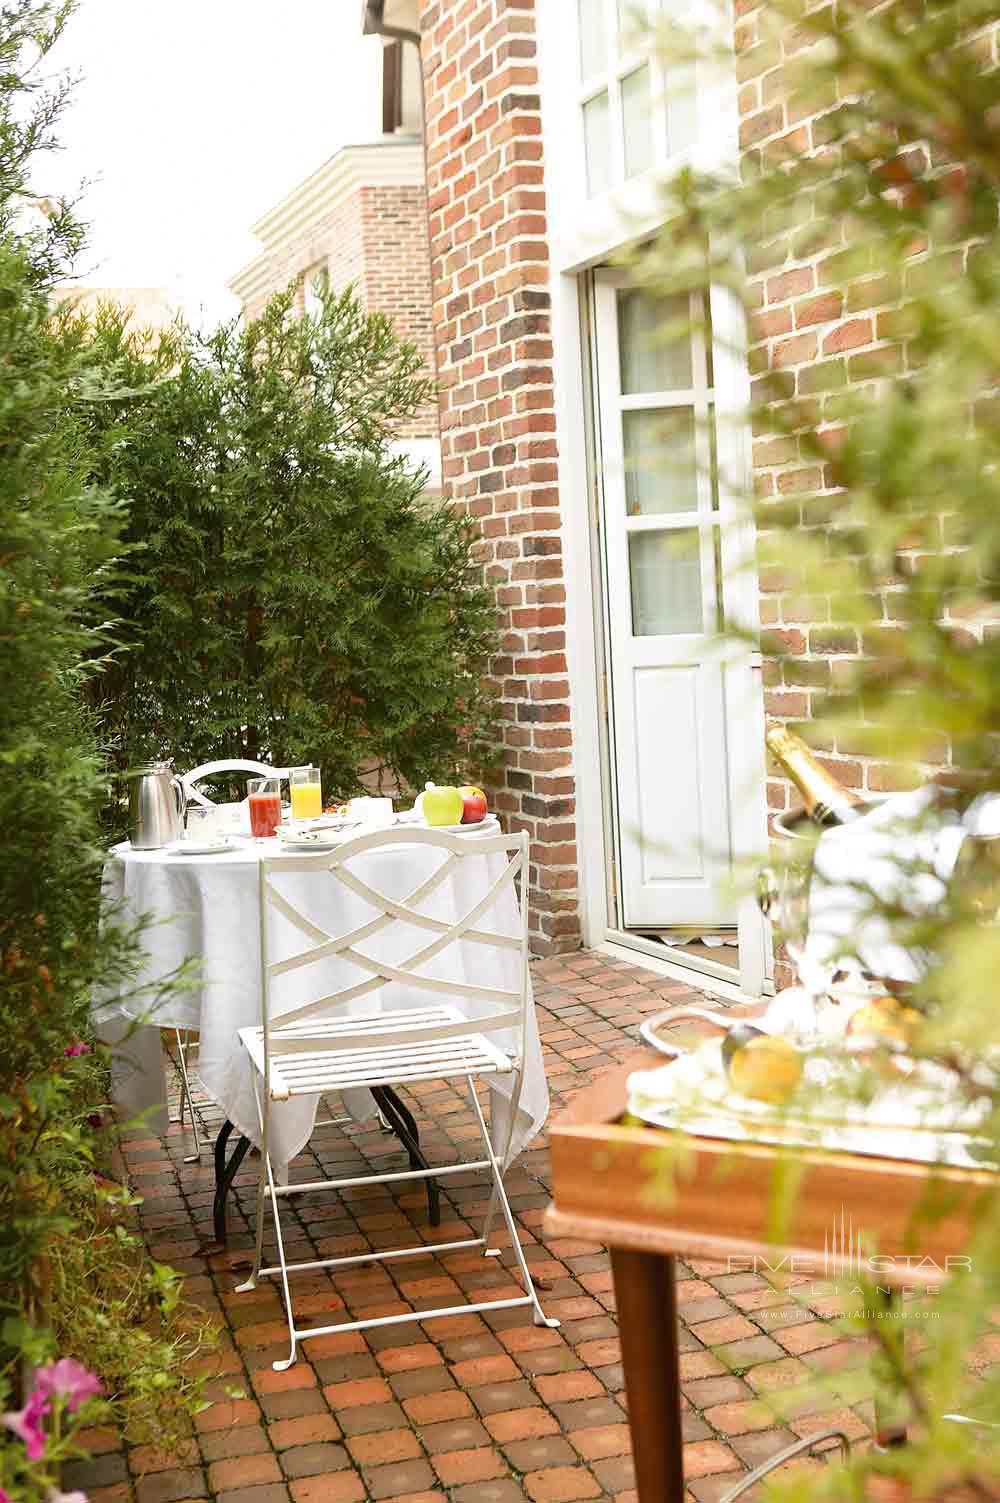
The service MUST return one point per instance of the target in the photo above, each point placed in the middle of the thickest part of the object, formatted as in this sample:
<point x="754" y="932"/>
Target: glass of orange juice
<point x="306" y="792"/>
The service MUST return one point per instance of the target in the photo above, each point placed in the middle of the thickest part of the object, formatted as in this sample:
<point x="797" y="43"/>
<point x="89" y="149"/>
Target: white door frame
<point x="583" y="235"/>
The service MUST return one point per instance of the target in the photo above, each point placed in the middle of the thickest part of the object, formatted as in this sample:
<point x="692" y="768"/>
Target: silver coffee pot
<point x="156" y="805"/>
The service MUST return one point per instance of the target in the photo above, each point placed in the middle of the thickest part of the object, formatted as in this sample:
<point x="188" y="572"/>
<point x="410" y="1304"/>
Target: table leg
<point x="225" y="1173"/>
<point x="645" y="1292"/>
<point x="400" y="1119"/>
<point x="890" y="1431"/>
<point x="402" y="1122"/>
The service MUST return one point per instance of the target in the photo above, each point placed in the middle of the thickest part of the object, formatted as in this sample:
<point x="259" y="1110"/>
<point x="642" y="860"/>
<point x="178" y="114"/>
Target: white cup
<point x="374" y="812"/>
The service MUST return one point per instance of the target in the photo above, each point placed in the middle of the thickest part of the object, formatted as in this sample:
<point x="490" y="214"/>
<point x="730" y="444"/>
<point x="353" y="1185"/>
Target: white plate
<point x="489" y="822"/>
<point x="202" y="847"/>
<point x="302" y="841"/>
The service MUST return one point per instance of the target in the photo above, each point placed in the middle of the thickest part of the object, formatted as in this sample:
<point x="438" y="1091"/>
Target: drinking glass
<point x="200" y="822"/>
<point x="306" y="792"/>
<point x="265" y="806"/>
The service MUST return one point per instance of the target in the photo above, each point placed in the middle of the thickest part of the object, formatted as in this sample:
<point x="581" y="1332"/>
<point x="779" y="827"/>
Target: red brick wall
<point x="491" y="309"/>
<point x="823" y="337"/>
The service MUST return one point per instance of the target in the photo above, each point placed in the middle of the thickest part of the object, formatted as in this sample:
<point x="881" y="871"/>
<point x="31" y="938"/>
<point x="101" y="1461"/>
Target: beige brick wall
<point x="375" y="239"/>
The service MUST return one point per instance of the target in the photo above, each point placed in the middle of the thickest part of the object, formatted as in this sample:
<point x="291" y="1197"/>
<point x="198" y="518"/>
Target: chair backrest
<point x="212" y="769"/>
<point x="503" y="1007"/>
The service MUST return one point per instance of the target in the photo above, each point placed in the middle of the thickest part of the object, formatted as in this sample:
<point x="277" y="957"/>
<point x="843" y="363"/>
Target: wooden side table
<point x="606" y="1190"/>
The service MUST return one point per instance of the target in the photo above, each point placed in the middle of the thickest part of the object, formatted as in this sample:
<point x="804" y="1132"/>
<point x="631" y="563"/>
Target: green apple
<point x="441" y="805"/>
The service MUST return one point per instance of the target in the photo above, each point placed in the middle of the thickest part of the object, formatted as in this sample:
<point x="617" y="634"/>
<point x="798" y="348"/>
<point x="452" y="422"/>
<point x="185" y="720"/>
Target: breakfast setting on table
<point x="193" y="868"/>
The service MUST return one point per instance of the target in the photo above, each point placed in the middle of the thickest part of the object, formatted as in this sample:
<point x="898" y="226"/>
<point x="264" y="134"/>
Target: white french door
<point x="662" y="563"/>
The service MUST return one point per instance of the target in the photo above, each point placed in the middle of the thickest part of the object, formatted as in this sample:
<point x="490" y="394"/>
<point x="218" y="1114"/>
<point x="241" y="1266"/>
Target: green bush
<point x="296" y="597"/>
<point x="60" y="539"/>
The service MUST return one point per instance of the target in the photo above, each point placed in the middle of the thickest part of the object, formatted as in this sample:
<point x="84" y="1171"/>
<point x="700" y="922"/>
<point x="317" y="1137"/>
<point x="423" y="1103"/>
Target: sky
<point x="193" y="117"/>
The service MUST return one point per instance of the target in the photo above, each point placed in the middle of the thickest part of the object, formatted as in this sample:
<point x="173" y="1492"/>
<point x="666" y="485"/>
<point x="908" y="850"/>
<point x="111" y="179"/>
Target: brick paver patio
<point x="472" y="1409"/>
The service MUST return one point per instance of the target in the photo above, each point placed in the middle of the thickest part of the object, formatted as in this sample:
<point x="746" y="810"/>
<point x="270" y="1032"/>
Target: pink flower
<point x="96" y="1121"/>
<point x="27" y="1423"/>
<point x="69" y="1380"/>
<point x="75" y="1050"/>
<point x="55" y="1496"/>
<point x="4" y="1495"/>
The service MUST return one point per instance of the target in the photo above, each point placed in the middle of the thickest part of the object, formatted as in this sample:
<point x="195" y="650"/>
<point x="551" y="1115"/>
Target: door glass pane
<point x="665" y="578"/>
<point x="647" y="362"/>
<point x="661" y="467"/>
<point x="593" y="37"/>
<point x="597" y="141"/>
<point x="637" y="122"/>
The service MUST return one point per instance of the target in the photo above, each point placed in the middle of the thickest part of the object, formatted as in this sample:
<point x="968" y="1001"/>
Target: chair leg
<point x="251" y="1282"/>
<point x="282" y="1365"/>
<point x="500" y="1197"/>
<point x="191" y="1158"/>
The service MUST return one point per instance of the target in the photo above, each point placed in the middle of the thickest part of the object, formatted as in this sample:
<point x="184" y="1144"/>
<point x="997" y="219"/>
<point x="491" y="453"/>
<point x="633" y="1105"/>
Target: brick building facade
<point x="515" y="313"/>
<point x="634" y="760"/>
<point x="360" y="220"/>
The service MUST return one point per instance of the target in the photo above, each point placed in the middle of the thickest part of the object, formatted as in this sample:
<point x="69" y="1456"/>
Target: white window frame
<point x="319" y="270"/>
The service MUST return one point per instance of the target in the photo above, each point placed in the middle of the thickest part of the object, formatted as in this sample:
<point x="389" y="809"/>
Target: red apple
<point x="473" y="805"/>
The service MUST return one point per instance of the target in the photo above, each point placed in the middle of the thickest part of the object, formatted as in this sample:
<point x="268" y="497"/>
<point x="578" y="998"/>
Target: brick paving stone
<point x="706" y="1457"/>
<point x="502" y="1491"/>
<point x="295" y="1404"/>
<point x="398" y="1480"/>
<point x="164" y="1487"/>
<point x="386" y="1446"/>
<point x="521" y="1424"/>
<point x="98" y="1471"/>
<point x="335" y="1487"/>
<point x="454" y="1435"/>
<point x="546" y="1450"/>
<point x="370" y="1419"/>
<point x="270" y="1492"/>
<point x="243" y="1471"/>
<point x="304" y="1430"/>
<point x="476" y="1464"/>
<point x="561" y="1484"/>
<point x="311" y="1460"/>
<point x="472" y="1408"/>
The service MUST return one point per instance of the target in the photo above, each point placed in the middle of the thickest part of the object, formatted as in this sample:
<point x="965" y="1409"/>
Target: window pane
<point x="665" y="572"/>
<point x="681" y="108"/>
<point x="637" y="121"/>
<point x="647" y="363"/>
<point x="597" y="141"/>
<point x="661" y="467"/>
<point x="593" y="37"/>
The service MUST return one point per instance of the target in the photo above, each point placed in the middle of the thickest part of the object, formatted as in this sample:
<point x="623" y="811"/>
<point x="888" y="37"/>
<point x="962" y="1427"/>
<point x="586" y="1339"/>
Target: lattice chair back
<point x="215" y="769"/>
<point x="390" y="941"/>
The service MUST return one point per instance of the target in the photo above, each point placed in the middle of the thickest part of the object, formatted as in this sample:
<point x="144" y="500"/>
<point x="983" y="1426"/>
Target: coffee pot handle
<point x="180" y="794"/>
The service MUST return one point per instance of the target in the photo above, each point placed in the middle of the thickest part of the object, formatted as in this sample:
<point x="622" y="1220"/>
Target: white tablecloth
<point x="207" y="907"/>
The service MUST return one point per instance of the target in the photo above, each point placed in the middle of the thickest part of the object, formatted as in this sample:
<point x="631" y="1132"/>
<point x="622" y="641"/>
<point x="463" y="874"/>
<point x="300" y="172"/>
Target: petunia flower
<point x="55" y="1496"/>
<point x="75" y="1050"/>
<point x="27" y="1423"/>
<point x="69" y="1380"/>
<point x="95" y="1120"/>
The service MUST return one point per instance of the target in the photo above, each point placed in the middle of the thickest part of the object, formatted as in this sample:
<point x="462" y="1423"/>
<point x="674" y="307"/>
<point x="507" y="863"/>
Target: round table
<point x="207" y="908"/>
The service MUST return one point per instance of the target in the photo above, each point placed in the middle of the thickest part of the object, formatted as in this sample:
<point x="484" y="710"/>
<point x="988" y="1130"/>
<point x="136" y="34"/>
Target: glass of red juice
<point x="265" y="806"/>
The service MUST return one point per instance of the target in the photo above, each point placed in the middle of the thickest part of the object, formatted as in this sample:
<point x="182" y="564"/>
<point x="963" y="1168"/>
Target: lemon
<point x="766" y="1069"/>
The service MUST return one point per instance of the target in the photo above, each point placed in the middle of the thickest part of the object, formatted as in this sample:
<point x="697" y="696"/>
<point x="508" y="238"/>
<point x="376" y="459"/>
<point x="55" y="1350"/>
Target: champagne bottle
<point x="826" y="801"/>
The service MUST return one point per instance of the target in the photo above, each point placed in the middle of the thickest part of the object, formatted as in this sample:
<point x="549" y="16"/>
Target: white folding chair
<point x="322" y="1046"/>
<point x="197" y="775"/>
<point x="194" y="795"/>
